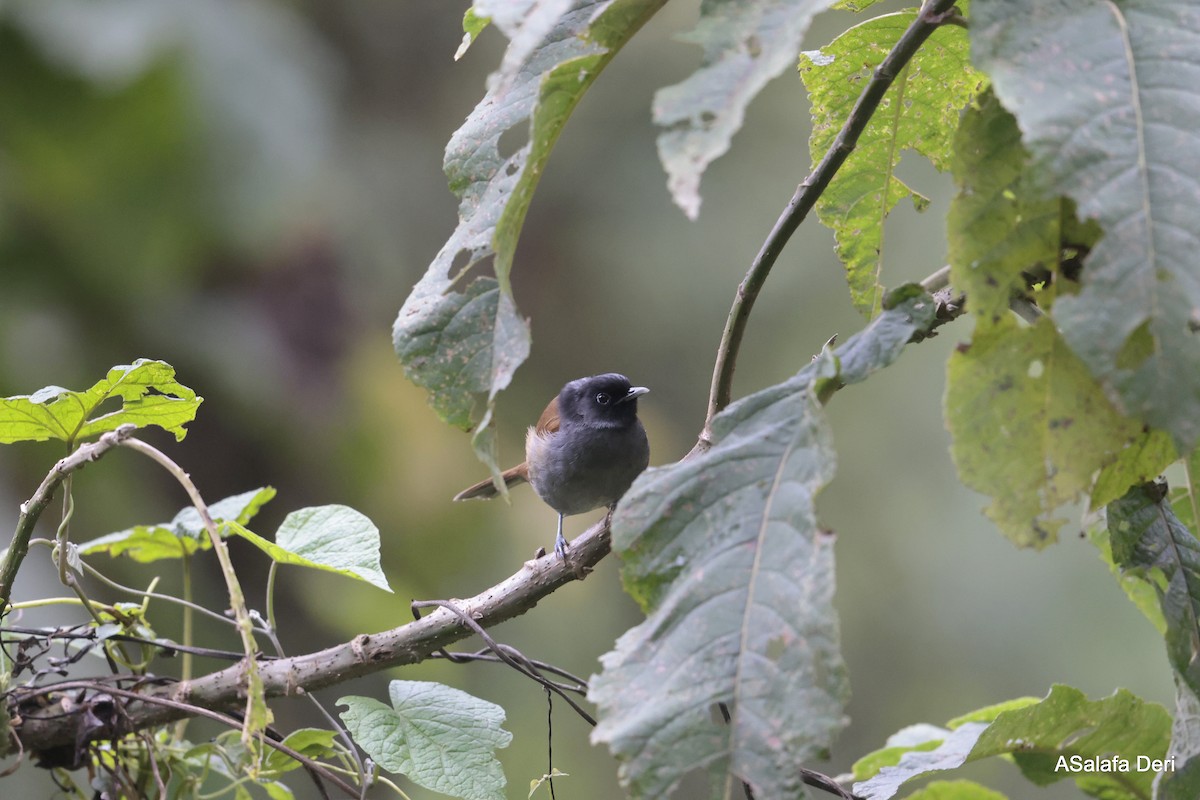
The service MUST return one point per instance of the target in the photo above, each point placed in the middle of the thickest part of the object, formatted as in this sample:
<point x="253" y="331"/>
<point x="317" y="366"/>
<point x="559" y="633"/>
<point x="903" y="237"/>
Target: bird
<point x="583" y="453"/>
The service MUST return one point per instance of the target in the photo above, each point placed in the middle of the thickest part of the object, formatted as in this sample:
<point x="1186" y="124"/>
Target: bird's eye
<point x="603" y="398"/>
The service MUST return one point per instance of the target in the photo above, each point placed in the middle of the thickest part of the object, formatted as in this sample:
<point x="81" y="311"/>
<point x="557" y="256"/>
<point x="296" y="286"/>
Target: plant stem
<point x="933" y="14"/>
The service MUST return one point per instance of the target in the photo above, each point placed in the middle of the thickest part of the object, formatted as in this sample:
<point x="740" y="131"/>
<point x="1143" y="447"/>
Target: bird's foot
<point x="560" y="547"/>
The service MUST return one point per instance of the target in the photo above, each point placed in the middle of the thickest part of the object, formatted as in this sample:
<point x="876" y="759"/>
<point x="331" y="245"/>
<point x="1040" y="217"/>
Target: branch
<point x="933" y="14"/>
<point x="32" y="509"/>
<point x="44" y="726"/>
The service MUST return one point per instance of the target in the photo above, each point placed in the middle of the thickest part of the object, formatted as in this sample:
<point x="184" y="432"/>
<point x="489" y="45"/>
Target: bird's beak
<point x="633" y="393"/>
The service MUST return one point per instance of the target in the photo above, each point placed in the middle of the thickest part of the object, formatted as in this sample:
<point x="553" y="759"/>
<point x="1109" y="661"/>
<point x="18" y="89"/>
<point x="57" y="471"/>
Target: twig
<point x="32" y="509"/>
<point x="297" y="675"/>
<point x="237" y="600"/>
<point x="933" y="14"/>
<point x="509" y="655"/>
<point x="189" y="710"/>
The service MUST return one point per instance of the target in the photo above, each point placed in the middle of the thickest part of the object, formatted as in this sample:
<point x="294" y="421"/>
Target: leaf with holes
<point x="724" y="553"/>
<point x="461" y="336"/>
<point x="1117" y="130"/>
<point x="920" y="113"/>
<point x="144" y="393"/>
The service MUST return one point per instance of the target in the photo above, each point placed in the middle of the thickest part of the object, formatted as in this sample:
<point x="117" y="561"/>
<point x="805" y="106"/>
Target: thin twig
<point x="932" y="15"/>
<point x="32" y="509"/>
<point x="237" y="599"/>
<point x="189" y="710"/>
<point x="508" y="654"/>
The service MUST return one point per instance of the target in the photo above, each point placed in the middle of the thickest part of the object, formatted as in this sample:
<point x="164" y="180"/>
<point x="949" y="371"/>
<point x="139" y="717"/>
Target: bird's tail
<point x="486" y="488"/>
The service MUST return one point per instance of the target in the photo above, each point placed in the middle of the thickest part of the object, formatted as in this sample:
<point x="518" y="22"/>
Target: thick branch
<point x="43" y="728"/>
<point x="933" y="14"/>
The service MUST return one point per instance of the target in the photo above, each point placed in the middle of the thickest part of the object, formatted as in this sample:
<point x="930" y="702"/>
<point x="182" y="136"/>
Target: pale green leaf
<point x="440" y="738"/>
<point x="473" y="25"/>
<point x="183" y="535"/>
<point x="746" y="44"/>
<point x="1117" y="129"/>
<point x="144" y="393"/>
<point x="331" y="538"/>
<point x="920" y="113"/>
<point x="1030" y="426"/>
<point x="463" y="343"/>
<point x="724" y="552"/>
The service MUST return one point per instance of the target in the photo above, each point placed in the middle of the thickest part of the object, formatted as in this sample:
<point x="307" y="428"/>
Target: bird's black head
<point x="606" y="401"/>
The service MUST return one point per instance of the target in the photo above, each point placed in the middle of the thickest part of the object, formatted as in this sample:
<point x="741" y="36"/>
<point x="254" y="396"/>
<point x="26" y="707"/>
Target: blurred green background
<point x="248" y="190"/>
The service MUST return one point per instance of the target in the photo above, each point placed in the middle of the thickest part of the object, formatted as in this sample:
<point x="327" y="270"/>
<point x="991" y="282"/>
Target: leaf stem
<point x="933" y="14"/>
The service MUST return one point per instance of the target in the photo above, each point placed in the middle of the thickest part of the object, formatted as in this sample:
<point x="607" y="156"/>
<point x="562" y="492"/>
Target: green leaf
<point x="724" y="553"/>
<point x="1149" y="541"/>
<point x="999" y="224"/>
<point x="746" y="44"/>
<point x="1043" y="739"/>
<point x="473" y="25"/>
<point x="462" y="343"/>
<point x="311" y="742"/>
<point x="955" y="790"/>
<point x="919" y="738"/>
<point x="920" y="112"/>
<point x="183" y="535"/>
<point x="146" y="392"/>
<point x="331" y="538"/>
<point x="439" y="737"/>
<point x="1118" y="131"/>
<point x="1030" y="426"/>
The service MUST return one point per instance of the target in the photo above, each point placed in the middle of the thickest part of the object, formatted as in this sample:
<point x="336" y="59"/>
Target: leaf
<point x="312" y="742"/>
<point x="473" y="25"/>
<point x="920" y="112"/>
<point x="146" y="390"/>
<point x="1030" y="426"/>
<point x="1149" y="541"/>
<point x="723" y="552"/>
<point x="1043" y="738"/>
<point x="746" y="44"/>
<point x="183" y="535"/>
<point x="439" y="737"/>
<point x="464" y="342"/>
<point x="331" y="538"/>
<point x="999" y="224"/>
<point x="1115" y="131"/>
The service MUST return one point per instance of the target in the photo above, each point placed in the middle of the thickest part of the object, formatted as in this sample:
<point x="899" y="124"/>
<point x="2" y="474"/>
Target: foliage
<point x="1070" y="243"/>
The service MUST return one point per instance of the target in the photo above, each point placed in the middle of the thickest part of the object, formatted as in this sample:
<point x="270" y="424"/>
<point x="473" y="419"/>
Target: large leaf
<point x="919" y="113"/>
<point x="146" y="393"/>
<point x="439" y="737"/>
<point x="329" y="538"/>
<point x="1064" y="736"/>
<point x="1117" y="130"/>
<point x="746" y="44"/>
<point x="1031" y="427"/>
<point x="462" y="342"/>
<point x="724" y="552"/>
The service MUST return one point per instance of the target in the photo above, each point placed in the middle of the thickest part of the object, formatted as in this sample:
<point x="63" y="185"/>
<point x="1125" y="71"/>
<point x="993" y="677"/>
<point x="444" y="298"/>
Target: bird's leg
<point x="560" y="544"/>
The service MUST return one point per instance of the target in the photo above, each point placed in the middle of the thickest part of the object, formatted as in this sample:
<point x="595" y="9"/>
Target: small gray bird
<point x="584" y="452"/>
